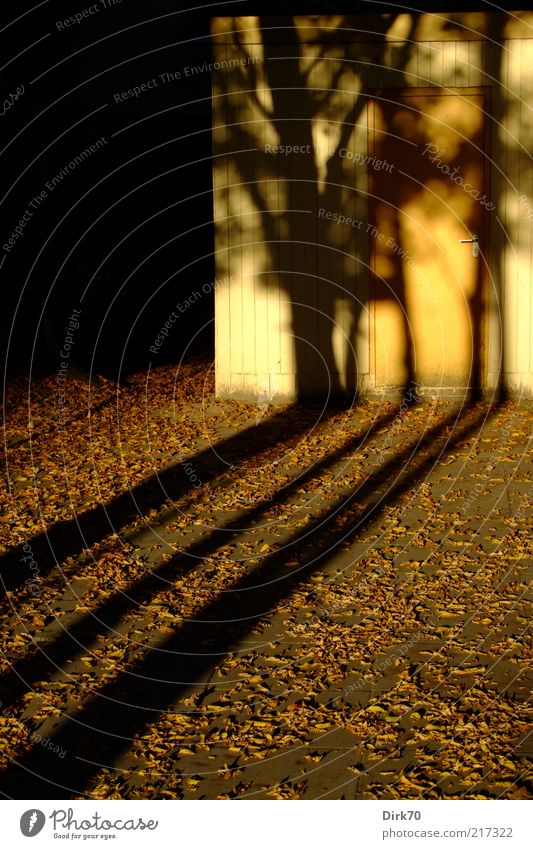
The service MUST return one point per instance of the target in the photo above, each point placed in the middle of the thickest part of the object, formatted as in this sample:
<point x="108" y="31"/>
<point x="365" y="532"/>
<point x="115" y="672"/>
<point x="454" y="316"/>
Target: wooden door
<point x="428" y="190"/>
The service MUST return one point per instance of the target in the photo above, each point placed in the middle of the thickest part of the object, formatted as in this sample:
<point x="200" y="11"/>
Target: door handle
<point x="474" y="241"/>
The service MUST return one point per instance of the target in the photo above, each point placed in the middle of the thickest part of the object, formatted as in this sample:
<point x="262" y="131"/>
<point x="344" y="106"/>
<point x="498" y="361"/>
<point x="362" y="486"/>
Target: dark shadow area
<point x="119" y="173"/>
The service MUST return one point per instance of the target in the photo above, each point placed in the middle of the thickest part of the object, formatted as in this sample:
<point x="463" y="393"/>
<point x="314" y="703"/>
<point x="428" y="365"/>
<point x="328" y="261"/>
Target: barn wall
<point x="255" y="349"/>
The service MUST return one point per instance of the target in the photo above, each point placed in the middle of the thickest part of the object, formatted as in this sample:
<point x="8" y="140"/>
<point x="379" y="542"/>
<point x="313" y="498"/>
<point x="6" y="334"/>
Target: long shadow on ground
<point x="104" y="727"/>
<point x="70" y="537"/>
<point x="105" y="618"/>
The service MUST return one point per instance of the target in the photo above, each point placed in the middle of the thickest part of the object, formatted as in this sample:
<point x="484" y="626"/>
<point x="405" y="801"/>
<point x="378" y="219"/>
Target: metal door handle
<point x="474" y="241"/>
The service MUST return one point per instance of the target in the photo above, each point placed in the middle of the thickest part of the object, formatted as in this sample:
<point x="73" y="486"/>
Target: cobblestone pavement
<point x="338" y="609"/>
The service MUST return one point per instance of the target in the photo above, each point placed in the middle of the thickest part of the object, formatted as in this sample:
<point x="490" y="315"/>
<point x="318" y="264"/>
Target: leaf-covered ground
<point x="209" y="599"/>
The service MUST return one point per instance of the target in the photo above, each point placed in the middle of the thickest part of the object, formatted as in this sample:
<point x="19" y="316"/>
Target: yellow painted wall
<point x="271" y="258"/>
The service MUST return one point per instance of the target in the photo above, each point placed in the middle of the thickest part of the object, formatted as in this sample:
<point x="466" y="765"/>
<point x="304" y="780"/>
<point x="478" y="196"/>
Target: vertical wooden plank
<point x="524" y="328"/>
<point x="283" y="82"/>
<point x="482" y="58"/>
<point x="266" y="189"/>
<point x="510" y="269"/>
<point x="365" y="243"/>
<point x="235" y="100"/>
<point x="423" y="65"/>
<point x="497" y="67"/>
<point x="462" y="63"/>
<point x="324" y="137"/>
<point x="371" y="71"/>
<point x="353" y="96"/>
<point x="436" y="63"/>
<point x="274" y="202"/>
<point x="221" y="222"/>
<point x="410" y="65"/>
<point x="474" y="63"/>
<point x="387" y="73"/>
<point x="254" y="330"/>
<point x="344" y="176"/>
<point x="448" y="63"/>
<point x="260" y="283"/>
<point x="362" y="341"/>
<point x="304" y="267"/>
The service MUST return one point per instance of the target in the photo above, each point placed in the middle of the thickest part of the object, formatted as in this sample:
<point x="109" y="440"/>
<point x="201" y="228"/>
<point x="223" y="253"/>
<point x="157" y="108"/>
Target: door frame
<point x="390" y="93"/>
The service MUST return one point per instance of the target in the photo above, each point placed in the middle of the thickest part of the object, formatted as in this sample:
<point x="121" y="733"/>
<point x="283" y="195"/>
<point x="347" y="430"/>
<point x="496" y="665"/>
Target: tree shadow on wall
<point x="350" y="248"/>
